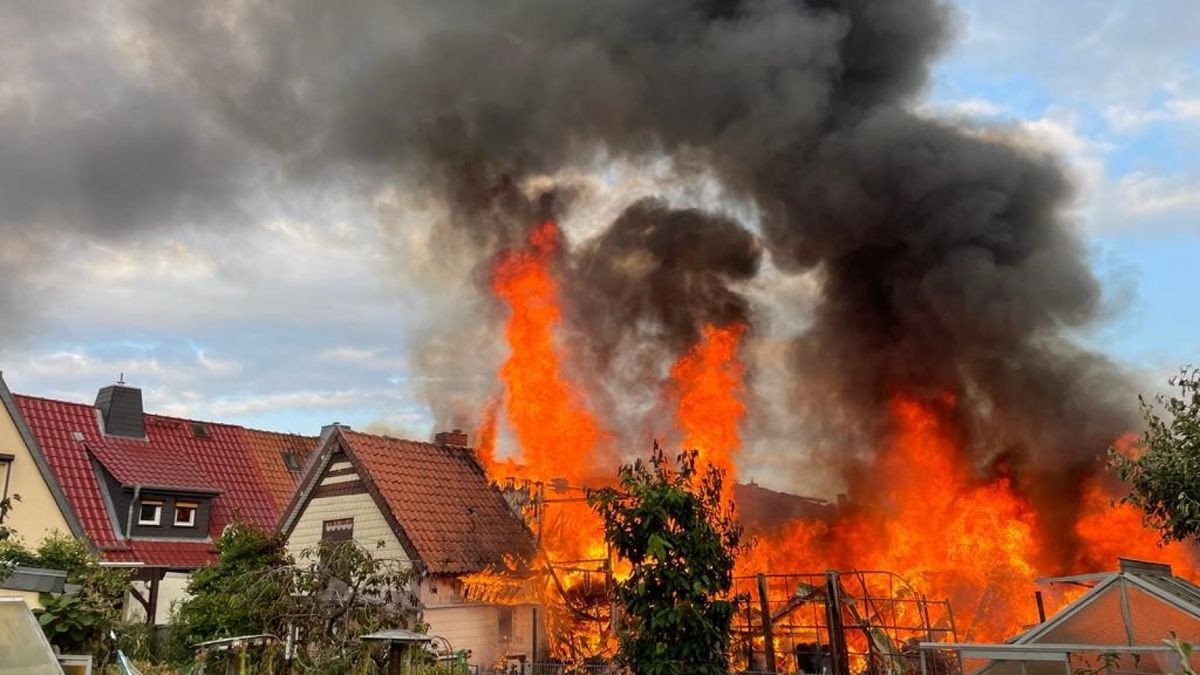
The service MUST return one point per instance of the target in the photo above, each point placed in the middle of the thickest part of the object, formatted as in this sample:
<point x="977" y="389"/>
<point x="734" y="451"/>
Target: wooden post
<point x="768" y="631"/>
<point x="152" y="606"/>
<point x="395" y="659"/>
<point x="833" y="619"/>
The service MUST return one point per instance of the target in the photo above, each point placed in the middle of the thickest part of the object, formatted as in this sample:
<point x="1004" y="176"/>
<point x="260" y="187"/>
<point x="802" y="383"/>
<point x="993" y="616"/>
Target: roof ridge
<point x="407" y="440"/>
<point x="281" y="433"/>
<point x="165" y="416"/>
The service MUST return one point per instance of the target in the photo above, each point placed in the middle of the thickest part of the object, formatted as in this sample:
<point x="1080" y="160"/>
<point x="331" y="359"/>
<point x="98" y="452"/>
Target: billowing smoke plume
<point x="944" y="259"/>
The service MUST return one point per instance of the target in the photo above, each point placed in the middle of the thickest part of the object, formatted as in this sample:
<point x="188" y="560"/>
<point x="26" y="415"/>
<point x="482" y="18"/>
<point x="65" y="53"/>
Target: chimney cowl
<point x="121" y="412"/>
<point x="455" y="437"/>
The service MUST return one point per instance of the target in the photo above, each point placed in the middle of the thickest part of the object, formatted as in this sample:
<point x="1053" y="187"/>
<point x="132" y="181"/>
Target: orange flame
<point x="929" y="516"/>
<point x="707" y="384"/>
<point x="556" y="433"/>
<point x="1109" y="530"/>
<point x="950" y="535"/>
<point x="559" y="439"/>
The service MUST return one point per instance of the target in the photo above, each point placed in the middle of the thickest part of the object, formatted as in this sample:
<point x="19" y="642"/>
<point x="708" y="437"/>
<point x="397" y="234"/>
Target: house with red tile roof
<point x="429" y="505"/>
<point x="39" y="503"/>
<point x="153" y="492"/>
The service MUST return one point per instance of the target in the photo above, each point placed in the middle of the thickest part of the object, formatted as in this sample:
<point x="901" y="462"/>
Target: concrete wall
<point x="37" y="514"/>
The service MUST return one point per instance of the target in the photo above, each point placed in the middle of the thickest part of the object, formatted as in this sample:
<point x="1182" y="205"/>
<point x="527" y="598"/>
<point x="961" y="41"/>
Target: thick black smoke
<point x="944" y="260"/>
<point x="658" y="275"/>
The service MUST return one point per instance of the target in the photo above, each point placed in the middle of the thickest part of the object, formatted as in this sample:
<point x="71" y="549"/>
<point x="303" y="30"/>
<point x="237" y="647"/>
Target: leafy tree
<point x="669" y="522"/>
<point x="1163" y="469"/>
<point x="330" y="596"/>
<point x="243" y="594"/>
<point x="341" y="592"/>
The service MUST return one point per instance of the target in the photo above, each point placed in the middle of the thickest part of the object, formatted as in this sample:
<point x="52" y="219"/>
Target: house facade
<point x="428" y="505"/>
<point x="149" y="492"/>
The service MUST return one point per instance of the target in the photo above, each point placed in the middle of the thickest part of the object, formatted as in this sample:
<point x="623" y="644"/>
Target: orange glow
<point x="557" y="435"/>
<point x="707" y="385"/>
<point x="950" y="535"/>
<point x="1109" y="530"/>
<point x="922" y="508"/>
<point x="559" y="442"/>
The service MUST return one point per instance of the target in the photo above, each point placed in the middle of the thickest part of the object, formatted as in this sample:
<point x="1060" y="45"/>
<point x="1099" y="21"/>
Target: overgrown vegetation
<point x="329" y="597"/>
<point x="1163" y="468"/>
<point x="78" y="622"/>
<point x="668" y="520"/>
<point x="241" y="595"/>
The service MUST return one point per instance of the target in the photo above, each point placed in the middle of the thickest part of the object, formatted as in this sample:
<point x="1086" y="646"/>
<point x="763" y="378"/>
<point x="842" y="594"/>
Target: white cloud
<point x="1126" y="119"/>
<point x="1143" y="194"/>
<point x="1106" y="202"/>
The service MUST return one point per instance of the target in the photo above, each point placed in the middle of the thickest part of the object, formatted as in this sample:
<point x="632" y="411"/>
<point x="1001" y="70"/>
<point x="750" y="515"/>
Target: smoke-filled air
<point x="883" y="302"/>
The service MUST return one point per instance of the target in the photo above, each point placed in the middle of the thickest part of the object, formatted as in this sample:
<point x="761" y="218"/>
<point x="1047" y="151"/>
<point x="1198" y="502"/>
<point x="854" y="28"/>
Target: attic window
<point x="199" y="430"/>
<point x="340" y="529"/>
<point x="291" y="462"/>
<point x="185" y="514"/>
<point x="150" y="512"/>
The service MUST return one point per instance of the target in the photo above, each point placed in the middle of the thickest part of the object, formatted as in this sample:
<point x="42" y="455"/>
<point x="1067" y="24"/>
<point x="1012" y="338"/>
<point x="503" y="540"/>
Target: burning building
<point x="807" y="255"/>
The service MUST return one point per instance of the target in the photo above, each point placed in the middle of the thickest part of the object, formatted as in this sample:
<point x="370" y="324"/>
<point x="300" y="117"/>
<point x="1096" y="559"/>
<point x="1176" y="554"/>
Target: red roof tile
<point x="172" y="455"/>
<point x="439" y="494"/>
<point x="267" y="449"/>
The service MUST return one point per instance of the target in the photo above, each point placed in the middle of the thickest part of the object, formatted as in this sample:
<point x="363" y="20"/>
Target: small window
<point x="185" y="514"/>
<point x="199" y="430"/>
<point x="341" y="529"/>
<point x="291" y="462"/>
<point x="150" y="512"/>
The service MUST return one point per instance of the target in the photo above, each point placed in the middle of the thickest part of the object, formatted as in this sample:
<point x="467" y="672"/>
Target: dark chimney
<point x="121" y="411"/>
<point x="456" y="437"/>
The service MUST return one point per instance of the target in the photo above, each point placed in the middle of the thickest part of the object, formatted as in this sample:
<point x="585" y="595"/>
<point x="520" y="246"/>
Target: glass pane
<point x="23" y="648"/>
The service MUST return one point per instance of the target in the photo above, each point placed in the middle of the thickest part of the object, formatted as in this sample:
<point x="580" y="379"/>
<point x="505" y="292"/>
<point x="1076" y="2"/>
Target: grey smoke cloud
<point x="944" y="257"/>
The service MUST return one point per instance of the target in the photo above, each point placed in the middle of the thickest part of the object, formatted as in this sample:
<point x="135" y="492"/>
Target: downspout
<point x="7" y="472"/>
<point x="137" y="491"/>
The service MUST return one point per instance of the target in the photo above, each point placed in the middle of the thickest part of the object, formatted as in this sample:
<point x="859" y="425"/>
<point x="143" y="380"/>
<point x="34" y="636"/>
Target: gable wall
<point x="37" y="514"/>
<point x="343" y="496"/>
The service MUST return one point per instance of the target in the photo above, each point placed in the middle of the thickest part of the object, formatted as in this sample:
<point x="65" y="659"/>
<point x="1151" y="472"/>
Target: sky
<point x="312" y="313"/>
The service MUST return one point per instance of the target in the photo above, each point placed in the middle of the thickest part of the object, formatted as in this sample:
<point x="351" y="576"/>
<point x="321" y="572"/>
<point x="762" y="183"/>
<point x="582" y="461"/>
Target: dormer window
<point x="150" y="512"/>
<point x="185" y="514"/>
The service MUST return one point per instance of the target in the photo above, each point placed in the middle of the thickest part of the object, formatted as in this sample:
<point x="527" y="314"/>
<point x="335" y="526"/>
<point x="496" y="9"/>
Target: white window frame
<point x="158" y="504"/>
<point x="193" y="508"/>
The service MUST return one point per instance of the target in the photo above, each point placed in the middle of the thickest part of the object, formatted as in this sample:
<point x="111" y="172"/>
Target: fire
<point x="557" y="435"/>
<point x="933" y="523"/>
<point x="1109" y="530"/>
<point x="924" y="511"/>
<point x="559" y="441"/>
<point x="707" y="385"/>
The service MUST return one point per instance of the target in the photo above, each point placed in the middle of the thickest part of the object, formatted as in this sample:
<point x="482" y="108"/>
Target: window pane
<point x="341" y="529"/>
<point x="148" y="513"/>
<point x="185" y="514"/>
